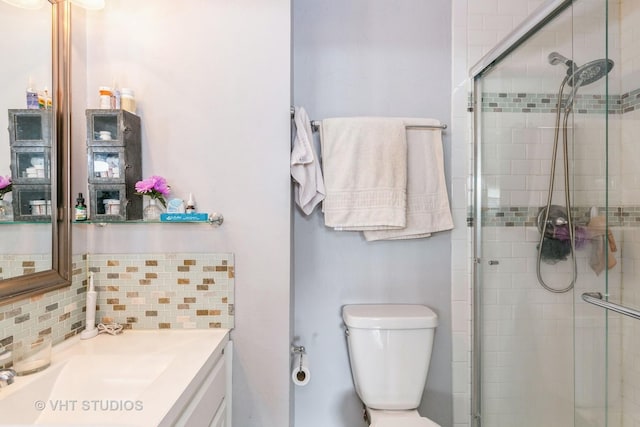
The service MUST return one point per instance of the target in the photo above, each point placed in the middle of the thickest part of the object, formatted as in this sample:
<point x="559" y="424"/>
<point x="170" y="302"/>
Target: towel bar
<point x="315" y="124"/>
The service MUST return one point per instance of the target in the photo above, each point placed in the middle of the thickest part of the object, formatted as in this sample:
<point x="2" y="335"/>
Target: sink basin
<point x="132" y="379"/>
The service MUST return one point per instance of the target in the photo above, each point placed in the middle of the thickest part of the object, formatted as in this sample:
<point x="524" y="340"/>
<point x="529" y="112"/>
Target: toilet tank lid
<point x="389" y="316"/>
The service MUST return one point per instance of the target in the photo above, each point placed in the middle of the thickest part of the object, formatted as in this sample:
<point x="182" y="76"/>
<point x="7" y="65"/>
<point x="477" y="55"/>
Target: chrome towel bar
<point x="595" y="298"/>
<point x="315" y="124"/>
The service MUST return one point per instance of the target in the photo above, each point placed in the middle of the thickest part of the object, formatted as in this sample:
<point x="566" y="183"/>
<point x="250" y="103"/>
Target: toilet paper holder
<point x="298" y="349"/>
<point x="300" y="373"/>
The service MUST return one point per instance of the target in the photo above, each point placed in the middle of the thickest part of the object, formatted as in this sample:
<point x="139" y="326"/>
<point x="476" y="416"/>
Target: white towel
<point x="428" y="208"/>
<point x="305" y="165"/>
<point x="365" y="173"/>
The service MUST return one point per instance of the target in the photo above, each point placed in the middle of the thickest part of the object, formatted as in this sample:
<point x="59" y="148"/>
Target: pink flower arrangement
<point x="155" y="187"/>
<point x="5" y="185"/>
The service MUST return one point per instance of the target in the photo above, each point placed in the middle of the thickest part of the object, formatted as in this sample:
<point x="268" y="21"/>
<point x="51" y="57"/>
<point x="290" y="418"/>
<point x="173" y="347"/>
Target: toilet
<point x="389" y="351"/>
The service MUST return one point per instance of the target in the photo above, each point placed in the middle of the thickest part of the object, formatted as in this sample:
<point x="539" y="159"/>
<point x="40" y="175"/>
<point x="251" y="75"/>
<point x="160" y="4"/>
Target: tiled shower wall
<point x="528" y="337"/>
<point x="630" y="179"/>
<point x="139" y="291"/>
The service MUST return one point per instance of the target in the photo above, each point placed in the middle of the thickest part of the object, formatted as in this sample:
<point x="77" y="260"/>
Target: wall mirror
<point x="34" y="224"/>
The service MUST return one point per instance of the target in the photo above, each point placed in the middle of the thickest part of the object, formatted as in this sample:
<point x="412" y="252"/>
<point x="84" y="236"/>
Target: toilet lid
<point x="406" y="422"/>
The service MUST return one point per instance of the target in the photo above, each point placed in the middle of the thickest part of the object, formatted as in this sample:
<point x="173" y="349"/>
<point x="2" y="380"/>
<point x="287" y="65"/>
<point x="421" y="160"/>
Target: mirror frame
<point x="59" y="276"/>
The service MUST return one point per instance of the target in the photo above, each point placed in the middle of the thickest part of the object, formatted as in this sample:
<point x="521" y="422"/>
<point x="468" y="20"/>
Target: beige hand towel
<point x="365" y="173"/>
<point x="428" y="208"/>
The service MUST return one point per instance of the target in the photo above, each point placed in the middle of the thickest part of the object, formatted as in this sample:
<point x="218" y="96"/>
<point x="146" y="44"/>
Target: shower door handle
<point x="595" y="298"/>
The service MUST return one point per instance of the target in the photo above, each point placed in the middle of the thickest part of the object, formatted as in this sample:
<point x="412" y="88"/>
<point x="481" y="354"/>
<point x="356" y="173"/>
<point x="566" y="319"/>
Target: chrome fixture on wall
<point x="575" y="77"/>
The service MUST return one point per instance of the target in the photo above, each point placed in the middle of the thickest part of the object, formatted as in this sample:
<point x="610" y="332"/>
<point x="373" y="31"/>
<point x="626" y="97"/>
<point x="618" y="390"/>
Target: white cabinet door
<point x="211" y="394"/>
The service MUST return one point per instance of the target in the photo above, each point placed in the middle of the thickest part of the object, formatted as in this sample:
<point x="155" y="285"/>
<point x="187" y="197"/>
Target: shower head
<point x="589" y="72"/>
<point x="581" y="76"/>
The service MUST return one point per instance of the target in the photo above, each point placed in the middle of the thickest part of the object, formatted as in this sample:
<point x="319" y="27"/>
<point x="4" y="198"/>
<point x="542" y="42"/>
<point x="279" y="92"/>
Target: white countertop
<point x="131" y="379"/>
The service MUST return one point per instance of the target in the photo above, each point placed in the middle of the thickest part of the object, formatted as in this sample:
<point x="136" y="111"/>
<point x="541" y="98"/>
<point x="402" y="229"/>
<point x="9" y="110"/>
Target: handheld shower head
<point x="589" y="72"/>
<point x="581" y="76"/>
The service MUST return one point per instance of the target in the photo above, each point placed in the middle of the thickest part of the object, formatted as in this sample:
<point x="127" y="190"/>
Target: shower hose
<point x="567" y="198"/>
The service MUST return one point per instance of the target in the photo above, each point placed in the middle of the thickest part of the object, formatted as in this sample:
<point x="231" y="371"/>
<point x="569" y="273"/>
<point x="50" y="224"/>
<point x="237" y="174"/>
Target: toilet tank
<point x="389" y="351"/>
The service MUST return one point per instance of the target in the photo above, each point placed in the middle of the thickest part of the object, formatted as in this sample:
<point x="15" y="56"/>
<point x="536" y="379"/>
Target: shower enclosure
<point x="556" y="215"/>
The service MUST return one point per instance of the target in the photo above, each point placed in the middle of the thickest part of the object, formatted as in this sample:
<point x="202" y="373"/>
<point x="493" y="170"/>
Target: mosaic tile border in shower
<point x="631" y="101"/>
<point x="526" y="216"/>
<point x="162" y="291"/>
<point x="507" y="102"/>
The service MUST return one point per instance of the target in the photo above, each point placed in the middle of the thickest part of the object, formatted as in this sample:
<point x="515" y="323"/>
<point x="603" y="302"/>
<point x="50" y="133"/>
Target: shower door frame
<point x="538" y="19"/>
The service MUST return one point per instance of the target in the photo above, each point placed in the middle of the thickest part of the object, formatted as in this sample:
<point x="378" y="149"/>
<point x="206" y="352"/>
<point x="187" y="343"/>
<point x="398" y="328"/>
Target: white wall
<point x="368" y="58"/>
<point x="212" y="83"/>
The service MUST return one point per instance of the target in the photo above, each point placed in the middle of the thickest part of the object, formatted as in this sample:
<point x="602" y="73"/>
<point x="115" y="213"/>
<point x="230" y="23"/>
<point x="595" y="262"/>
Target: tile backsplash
<point x="59" y="313"/>
<point x="139" y="291"/>
<point x="159" y="291"/>
<point x="17" y="265"/>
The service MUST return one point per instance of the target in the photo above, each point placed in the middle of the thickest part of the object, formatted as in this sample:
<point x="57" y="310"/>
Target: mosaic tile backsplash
<point x="59" y="313"/>
<point x="159" y="291"/>
<point x="18" y="265"/>
<point x="139" y="291"/>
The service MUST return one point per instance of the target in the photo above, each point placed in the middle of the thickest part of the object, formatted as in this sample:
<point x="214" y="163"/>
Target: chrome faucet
<point x="7" y="377"/>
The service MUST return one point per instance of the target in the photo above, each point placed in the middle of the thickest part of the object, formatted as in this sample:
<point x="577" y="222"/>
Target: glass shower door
<point x="545" y="357"/>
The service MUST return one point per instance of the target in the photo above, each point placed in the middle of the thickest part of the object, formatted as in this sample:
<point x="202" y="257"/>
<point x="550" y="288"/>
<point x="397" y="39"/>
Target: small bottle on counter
<point x="32" y="99"/>
<point x="106" y="93"/>
<point x="191" y="206"/>
<point x="81" y="209"/>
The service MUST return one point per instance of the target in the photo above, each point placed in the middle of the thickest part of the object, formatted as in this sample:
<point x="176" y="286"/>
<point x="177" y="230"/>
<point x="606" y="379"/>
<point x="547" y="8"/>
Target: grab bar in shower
<point x="595" y="298"/>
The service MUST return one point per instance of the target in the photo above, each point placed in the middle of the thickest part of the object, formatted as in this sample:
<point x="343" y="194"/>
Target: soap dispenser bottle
<point x="81" y="209"/>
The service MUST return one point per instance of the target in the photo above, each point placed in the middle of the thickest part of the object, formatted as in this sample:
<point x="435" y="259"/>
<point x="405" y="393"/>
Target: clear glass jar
<point x="6" y="211"/>
<point x="128" y="100"/>
<point x="152" y="211"/>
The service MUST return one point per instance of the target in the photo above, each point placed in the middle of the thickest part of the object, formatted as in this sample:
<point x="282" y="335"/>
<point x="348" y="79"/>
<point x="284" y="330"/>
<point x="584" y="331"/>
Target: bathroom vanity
<point x="138" y="378"/>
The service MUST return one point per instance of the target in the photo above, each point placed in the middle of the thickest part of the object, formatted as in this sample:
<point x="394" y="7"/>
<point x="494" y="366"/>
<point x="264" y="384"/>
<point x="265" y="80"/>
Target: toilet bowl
<point x="389" y="352"/>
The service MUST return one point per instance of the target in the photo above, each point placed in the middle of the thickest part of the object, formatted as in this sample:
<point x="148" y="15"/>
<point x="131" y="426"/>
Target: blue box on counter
<point x="184" y="217"/>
